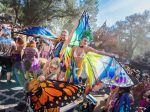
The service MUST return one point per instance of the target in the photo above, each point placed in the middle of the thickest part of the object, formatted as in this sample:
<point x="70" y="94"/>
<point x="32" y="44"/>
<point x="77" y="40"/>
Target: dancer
<point x="79" y="52"/>
<point x="59" y="42"/>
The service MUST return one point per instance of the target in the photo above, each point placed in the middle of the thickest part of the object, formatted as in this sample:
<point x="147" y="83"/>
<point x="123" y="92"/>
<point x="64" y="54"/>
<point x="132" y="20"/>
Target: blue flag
<point x="38" y="31"/>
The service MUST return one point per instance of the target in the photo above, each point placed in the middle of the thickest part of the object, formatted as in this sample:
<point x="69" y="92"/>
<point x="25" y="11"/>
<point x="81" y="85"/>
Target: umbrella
<point x="38" y="31"/>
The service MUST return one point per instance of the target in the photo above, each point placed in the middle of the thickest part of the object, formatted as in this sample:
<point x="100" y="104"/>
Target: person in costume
<point x="51" y="73"/>
<point x="54" y="92"/>
<point x="20" y="44"/>
<point x="51" y="70"/>
<point x="59" y="42"/>
<point x="109" y="103"/>
<point x="123" y="101"/>
<point x="78" y="53"/>
<point x="31" y="61"/>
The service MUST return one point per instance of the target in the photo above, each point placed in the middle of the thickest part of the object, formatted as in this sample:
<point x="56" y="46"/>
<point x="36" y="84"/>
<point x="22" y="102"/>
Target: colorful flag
<point x="38" y="31"/>
<point x="82" y="30"/>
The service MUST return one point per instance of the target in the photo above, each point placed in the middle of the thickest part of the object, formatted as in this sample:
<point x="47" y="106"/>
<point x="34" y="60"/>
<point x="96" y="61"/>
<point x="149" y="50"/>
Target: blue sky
<point x="114" y="10"/>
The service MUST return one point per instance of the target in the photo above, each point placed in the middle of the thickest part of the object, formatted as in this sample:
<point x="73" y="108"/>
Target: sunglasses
<point x="53" y="67"/>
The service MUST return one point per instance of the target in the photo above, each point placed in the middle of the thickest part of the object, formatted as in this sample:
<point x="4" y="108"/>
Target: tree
<point x="103" y="39"/>
<point x="39" y="12"/>
<point x="132" y="32"/>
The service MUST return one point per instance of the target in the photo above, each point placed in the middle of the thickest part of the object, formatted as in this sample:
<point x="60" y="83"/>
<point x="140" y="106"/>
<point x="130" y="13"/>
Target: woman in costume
<point x="78" y="55"/>
<point x="51" y="70"/>
<point x="59" y="42"/>
<point x="78" y="52"/>
<point x="123" y="101"/>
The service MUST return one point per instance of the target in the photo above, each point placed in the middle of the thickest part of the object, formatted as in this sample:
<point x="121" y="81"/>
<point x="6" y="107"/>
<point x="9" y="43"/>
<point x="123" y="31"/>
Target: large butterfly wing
<point x="54" y="94"/>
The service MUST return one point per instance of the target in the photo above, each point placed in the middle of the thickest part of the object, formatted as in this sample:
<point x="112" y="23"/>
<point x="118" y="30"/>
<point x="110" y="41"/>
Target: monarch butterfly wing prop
<point x="106" y="69"/>
<point x="53" y="94"/>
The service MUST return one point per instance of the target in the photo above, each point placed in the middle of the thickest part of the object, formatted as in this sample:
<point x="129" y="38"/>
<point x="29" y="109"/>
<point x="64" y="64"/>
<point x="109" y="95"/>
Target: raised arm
<point x="46" y="37"/>
<point x="50" y="39"/>
<point x="72" y="31"/>
<point x="90" y="49"/>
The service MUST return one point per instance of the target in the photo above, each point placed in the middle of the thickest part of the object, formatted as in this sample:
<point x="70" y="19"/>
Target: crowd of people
<point x="42" y="60"/>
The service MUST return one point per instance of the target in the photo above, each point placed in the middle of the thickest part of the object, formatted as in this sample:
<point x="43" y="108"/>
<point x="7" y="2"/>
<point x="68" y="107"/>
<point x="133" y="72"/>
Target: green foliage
<point x="44" y="12"/>
<point x="2" y="7"/>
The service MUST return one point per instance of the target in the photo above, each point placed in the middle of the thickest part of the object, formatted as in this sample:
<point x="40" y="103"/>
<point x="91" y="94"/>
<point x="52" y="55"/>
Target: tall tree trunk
<point x="16" y="15"/>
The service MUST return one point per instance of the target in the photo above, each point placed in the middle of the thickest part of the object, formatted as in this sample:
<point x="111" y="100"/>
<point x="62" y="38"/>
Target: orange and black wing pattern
<point x="53" y="94"/>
